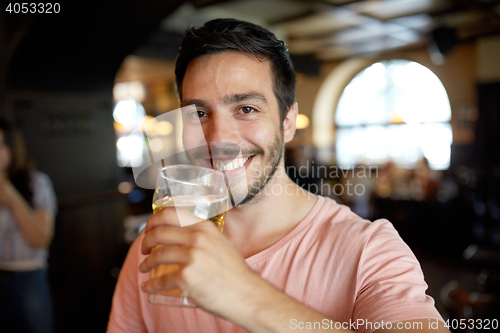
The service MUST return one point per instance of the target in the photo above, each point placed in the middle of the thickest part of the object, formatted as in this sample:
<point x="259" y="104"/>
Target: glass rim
<point x="207" y="171"/>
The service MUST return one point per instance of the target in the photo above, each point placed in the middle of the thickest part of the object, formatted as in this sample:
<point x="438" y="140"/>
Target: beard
<point x="271" y="162"/>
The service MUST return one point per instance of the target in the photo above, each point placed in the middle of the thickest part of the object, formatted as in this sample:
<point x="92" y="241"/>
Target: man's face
<point x="235" y="104"/>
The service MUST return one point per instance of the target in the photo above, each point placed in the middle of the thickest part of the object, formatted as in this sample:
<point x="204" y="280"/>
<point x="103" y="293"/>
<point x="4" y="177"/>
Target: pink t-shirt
<point x="342" y="266"/>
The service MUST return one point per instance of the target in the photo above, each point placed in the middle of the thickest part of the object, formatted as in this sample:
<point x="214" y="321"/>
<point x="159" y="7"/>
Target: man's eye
<point x="197" y="114"/>
<point x="247" y="109"/>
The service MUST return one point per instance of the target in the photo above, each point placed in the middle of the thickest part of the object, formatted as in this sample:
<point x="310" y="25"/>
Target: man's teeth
<point x="230" y="165"/>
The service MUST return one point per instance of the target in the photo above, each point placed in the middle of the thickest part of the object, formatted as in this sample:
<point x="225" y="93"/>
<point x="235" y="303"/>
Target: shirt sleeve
<point x="43" y="193"/>
<point x="391" y="286"/>
<point x="126" y="311"/>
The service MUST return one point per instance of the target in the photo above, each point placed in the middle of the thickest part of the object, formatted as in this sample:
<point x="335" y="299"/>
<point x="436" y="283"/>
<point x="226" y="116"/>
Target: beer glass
<point x="200" y="191"/>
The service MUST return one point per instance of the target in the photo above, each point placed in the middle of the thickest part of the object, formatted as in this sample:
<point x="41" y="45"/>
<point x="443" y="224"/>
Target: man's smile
<point x="228" y="165"/>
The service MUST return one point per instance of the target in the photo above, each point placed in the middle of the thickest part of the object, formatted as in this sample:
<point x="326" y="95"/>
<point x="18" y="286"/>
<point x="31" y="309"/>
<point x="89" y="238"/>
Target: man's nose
<point x="221" y="128"/>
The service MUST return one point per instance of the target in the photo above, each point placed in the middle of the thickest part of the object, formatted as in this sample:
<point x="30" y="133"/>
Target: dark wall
<point x="71" y="137"/>
<point x="487" y="142"/>
<point x="85" y="259"/>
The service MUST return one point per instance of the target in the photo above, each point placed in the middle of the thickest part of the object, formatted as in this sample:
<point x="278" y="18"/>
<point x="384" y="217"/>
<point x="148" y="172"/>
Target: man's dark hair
<point x="221" y="35"/>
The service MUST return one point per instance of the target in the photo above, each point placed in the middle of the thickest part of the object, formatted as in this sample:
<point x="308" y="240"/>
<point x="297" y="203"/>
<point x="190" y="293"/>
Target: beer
<point x="204" y="207"/>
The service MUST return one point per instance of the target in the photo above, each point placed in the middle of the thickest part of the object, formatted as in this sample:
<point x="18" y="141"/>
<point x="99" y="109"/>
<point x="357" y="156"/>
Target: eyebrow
<point x="228" y="100"/>
<point x="237" y="98"/>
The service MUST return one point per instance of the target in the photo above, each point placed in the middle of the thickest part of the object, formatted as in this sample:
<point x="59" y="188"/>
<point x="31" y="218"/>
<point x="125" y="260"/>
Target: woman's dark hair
<point x="229" y="34"/>
<point x="20" y="167"/>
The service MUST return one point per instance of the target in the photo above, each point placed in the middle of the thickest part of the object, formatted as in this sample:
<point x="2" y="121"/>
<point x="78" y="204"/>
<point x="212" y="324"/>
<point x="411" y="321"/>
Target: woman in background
<point x="27" y="210"/>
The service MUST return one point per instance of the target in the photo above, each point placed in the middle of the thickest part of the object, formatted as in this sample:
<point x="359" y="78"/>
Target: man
<point x="287" y="259"/>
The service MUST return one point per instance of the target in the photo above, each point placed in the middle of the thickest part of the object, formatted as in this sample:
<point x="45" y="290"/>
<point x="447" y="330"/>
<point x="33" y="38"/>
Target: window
<point x="395" y="111"/>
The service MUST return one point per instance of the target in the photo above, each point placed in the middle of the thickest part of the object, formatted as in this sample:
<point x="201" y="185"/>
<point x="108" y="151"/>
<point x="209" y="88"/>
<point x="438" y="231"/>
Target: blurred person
<point x="425" y="182"/>
<point x="285" y="261"/>
<point x="27" y="210"/>
<point x="357" y="186"/>
<point x="386" y="181"/>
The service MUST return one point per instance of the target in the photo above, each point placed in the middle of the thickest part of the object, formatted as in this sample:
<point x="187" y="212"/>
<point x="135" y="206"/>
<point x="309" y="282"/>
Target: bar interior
<point x="399" y="118"/>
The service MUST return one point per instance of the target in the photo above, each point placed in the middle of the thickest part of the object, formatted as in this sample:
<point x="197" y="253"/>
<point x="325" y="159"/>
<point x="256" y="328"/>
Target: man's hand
<point x="212" y="271"/>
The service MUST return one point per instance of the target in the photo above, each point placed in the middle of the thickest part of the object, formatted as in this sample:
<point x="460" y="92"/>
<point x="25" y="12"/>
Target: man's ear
<point x="290" y="121"/>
